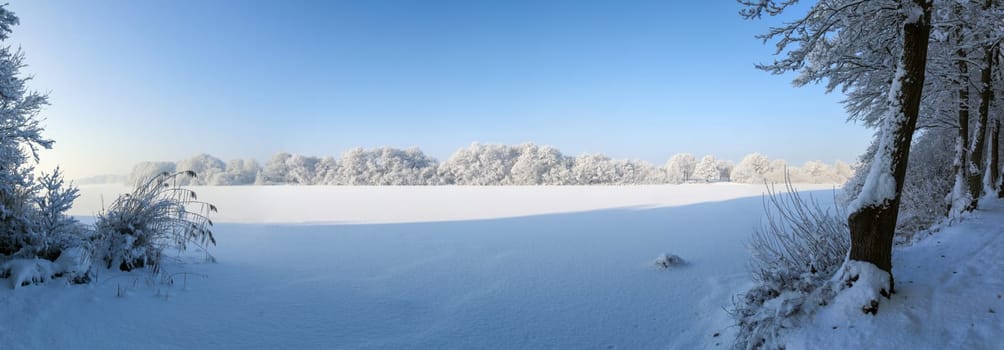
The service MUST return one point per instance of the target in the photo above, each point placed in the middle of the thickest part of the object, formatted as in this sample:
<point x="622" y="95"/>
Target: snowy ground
<point x="949" y="295"/>
<point x="423" y="268"/>
<point x="404" y="204"/>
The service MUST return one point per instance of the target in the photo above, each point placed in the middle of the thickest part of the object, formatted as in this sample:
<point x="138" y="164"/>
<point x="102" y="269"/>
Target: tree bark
<point x="978" y="156"/>
<point x="995" y="157"/>
<point x="872" y="225"/>
<point x="962" y="152"/>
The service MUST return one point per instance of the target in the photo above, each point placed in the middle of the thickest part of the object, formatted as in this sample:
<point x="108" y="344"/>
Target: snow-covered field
<point x="421" y="268"/>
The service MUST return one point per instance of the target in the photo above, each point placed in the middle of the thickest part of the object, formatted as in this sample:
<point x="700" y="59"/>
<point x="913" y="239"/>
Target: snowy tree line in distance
<point x="486" y="165"/>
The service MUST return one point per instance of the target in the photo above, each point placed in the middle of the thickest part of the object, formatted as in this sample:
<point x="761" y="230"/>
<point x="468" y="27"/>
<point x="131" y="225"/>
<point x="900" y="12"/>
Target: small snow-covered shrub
<point x="55" y="230"/>
<point x="798" y="248"/>
<point x="667" y="261"/>
<point x="44" y="231"/>
<point x="137" y="228"/>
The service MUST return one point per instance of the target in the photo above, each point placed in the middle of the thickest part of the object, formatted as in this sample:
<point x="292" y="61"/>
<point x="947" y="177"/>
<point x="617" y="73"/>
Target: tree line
<point x="486" y="165"/>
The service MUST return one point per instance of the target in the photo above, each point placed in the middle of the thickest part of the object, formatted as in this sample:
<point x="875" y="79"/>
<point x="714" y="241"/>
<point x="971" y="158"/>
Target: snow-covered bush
<point x="27" y="271"/>
<point x="136" y="229"/>
<point x="798" y="248"/>
<point x="55" y="230"/>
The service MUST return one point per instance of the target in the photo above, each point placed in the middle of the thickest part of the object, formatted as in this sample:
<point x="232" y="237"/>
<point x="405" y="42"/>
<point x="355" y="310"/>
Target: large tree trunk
<point x="978" y="156"/>
<point x="873" y="214"/>
<point x="995" y="157"/>
<point x="960" y="200"/>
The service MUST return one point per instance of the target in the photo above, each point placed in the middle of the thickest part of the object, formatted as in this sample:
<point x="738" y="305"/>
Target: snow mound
<point x="863" y="284"/>
<point x="667" y="261"/>
<point x="26" y="271"/>
<point x="75" y="261"/>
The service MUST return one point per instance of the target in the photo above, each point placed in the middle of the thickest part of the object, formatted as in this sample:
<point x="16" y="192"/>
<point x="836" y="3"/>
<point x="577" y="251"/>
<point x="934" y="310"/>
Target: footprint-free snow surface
<point x="440" y="268"/>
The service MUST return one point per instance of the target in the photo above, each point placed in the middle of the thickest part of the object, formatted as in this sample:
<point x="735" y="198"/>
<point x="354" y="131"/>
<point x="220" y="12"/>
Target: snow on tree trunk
<point x="873" y="215"/>
<point x="960" y="200"/>
<point x="977" y="159"/>
<point x="992" y="172"/>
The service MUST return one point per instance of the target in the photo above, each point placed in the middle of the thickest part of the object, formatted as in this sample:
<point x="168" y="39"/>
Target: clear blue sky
<point x="164" y="80"/>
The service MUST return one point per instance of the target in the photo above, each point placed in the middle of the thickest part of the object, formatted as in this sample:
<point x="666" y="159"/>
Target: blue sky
<point x="164" y="80"/>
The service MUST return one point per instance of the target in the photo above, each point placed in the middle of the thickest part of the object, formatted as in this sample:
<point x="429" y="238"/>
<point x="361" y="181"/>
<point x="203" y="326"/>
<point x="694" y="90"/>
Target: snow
<point x="411" y="204"/>
<point x="24" y="271"/>
<point x="421" y="267"/>
<point x="949" y="295"/>
<point x="880" y="185"/>
<point x="576" y="274"/>
<point x="73" y="260"/>
<point x="668" y="261"/>
<point x="864" y="285"/>
<point x="913" y="12"/>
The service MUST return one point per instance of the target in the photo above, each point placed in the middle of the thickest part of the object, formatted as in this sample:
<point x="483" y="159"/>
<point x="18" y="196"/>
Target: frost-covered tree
<point x="842" y="171"/>
<point x="706" y="170"/>
<point x="752" y="169"/>
<point x="541" y="165"/>
<point x="145" y="170"/>
<point x="778" y="171"/>
<point x="302" y="170"/>
<point x="725" y="170"/>
<point x="387" y="166"/>
<point x="237" y="172"/>
<point x="814" y="172"/>
<point x="480" y="165"/>
<point x="206" y="166"/>
<point x="680" y="167"/>
<point x="593" y="169"/>
<point x="328" y="172"/>
<point x="276" y="171"/>
<point x="55" y="230"/>
<point x="837" y="41"/>
<point x="32" y="210"/>
<point x="357" y="167"/>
